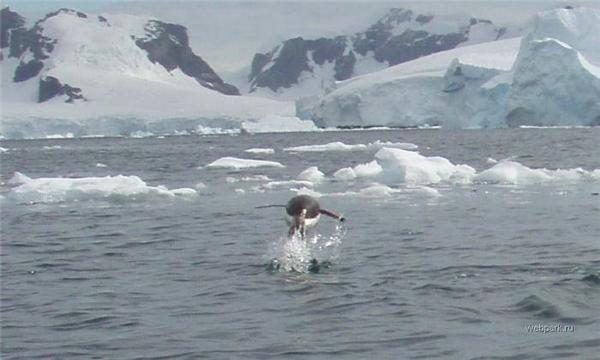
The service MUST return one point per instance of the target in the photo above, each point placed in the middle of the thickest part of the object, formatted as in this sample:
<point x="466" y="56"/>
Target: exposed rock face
<point x="10" y="22"/>
<point x="51" y="87"/>
<point x="21" y="40"/>
<point x="168" y="44"/>
<point x="400" y="36"/>
<point x="292" y="57"/>
<point x="28" y="70"/>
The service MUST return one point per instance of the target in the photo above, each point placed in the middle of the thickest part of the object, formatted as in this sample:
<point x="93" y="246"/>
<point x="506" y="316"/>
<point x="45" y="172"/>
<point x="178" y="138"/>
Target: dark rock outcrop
<point x="292" y="57"/>
<point x="19" y="40"/>
<point x="28" y="70"/>
<point x="10" y="22"/>
<point x="281" y="67"/>
<point x="168" y="45"/>
<point x="51" y="87"/>
<point x="292" y="60"/>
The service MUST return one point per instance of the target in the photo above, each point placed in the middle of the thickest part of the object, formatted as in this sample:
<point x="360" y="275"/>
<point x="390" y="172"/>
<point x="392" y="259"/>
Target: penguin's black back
<point x="298" y="203"/>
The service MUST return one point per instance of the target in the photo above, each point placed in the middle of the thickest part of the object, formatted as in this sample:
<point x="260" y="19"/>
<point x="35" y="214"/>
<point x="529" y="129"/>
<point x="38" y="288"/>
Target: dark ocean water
<point x="470" y="274"/>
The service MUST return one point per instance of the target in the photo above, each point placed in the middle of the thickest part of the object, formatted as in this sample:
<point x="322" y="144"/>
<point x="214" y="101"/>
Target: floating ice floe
<point x="229" y="162"/>
<point x="286" y="184"/>
<point x="345" y="174"/>
<point x="260" y="151"/>
<point x="372" y="191"/>
<point x="306" y="191"/>
<point x="397" y="166"/>
<point x="231" y="179"/>
<point x="3" y="150"/>
<point x="340" y="146"/>
<point x="514" y="173"/>
<point x="312" y="174"/>
<point x="101" y="165"/>
<point x="120" y="187"/>
<point x="141" y="134"/>
<point x="367" y="170"/>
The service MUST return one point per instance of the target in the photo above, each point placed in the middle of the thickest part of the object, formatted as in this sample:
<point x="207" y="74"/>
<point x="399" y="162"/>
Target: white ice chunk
<point x="312" y="174"/>
<point x="229" y="162"/>
<point x="340" y="146"/>
<point x="307" y="191"/>
<point x="287" y="183"/>
<point x="369" y="169"/>
<point x="18" y="179"/>
<point x="345" y="174"/>
<point x="260" y="151"/>
<point x="401" y="166"/>
<point x="333" y="146"/>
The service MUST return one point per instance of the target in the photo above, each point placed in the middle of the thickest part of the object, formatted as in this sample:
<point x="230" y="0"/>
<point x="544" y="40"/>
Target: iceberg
<point x="554" y="84"/>
<point x="550" y="77"/>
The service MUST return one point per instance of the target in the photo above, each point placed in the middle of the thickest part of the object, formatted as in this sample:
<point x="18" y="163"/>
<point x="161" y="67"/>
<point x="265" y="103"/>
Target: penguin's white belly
<point x="312" y="221"/>
<point x="308" y="223"/>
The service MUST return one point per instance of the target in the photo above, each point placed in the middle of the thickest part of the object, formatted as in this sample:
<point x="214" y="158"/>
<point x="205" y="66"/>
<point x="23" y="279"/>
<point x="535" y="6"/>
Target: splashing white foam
<point x="294" y="254"/>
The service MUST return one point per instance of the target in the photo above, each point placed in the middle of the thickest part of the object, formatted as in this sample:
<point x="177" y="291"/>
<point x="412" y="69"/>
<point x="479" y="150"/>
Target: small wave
<point x="538" y="308"/>
<point x="437" y="287"/>
<point x="591" y="279"/>
<point x="92" y="322"/>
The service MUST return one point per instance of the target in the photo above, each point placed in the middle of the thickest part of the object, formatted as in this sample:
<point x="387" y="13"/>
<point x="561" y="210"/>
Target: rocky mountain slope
<point x="111" y="74"/>
<point x="399" y="36"/>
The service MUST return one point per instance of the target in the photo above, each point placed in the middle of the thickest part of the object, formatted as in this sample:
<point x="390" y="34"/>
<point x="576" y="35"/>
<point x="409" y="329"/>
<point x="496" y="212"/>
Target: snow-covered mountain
<point x="110" y="75"/>
<point x="303" y="67"/>
<point x="550" y="77"/>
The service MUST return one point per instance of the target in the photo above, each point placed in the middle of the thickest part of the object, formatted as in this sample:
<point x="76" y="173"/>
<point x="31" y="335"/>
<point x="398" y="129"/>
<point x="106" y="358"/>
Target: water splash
<point x="295" y="254"/>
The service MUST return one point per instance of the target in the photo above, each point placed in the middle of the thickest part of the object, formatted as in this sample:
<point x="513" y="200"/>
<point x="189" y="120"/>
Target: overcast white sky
<point x="228" y="33"/>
